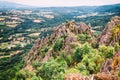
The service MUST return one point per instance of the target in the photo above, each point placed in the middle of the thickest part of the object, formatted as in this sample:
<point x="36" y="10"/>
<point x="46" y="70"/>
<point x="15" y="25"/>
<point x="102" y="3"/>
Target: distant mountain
<point x="9" y="5"/>
<point x="108" y="8"/>
<point x="87" y="9"/>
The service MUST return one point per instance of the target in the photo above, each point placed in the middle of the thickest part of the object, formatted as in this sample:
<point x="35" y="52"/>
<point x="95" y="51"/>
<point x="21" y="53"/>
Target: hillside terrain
<point x="72" y="52"/>
<point x="10" y="5"/>
<point x="85" y="45"/>
<point x="20" y="27"/>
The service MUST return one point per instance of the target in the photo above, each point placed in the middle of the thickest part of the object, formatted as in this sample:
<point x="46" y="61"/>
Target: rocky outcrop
<point x="107" y="66"/>
<point x="99" y="76"/>
<point x="111" y="34"/>
<point x="104" y="76"/>
<point x="110" y="71"/>
<point x="68" y="30"/>
<point x="75" y="76"/>
<point x="111" y="65"/>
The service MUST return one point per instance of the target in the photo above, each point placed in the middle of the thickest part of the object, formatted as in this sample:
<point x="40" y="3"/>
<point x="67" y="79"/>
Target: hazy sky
<point x="64" y="2"/>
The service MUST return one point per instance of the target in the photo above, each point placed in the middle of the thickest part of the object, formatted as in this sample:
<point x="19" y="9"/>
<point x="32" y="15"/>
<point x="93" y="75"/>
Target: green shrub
<point x="69" y="59"/>
<point x="95" y="45"/>
<point x="82" y="69"/>
<point x="58" y="44"/>
<point x="52" y="70"/>
<point x="84" y="38"/>
<point x="108" y="51"/>
<point x="117" y="47"/>
<point x="24" y="75"/>
<point x="43" y="50"/>
<point x="80" y="51"/>
<point x="91" y="62"/>
<point x="35" y="64"/>
<point x="36" y="78"/>
<point x="72" y="70"/>
<point x="78" y="54"/>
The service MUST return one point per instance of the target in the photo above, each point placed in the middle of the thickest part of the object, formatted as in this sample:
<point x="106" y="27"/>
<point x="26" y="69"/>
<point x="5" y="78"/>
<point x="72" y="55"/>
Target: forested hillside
<point x="73" y="52"/>
<point x="59" y="43"/>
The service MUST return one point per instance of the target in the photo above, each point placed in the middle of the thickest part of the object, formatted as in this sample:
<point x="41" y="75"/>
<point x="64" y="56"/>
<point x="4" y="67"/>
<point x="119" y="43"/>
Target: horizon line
<point x="59" y="5"/>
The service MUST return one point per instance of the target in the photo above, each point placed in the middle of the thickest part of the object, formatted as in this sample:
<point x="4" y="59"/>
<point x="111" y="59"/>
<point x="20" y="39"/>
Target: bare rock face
<point x="111" y="64"/>
<point x="110" y="35"/>
<point x="86" y="28"/>
<point x="106" y="67"/>
<point x="104" y="76"/>
<point x="110" y="69"/>
<point x="116" y="61"/>
<point x="75" y="76"/>
<point x="83" y="26"/>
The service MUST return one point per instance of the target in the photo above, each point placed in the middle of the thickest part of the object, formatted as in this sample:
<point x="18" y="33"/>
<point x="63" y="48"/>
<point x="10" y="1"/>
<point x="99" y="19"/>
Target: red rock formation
<point x="109" y="68"/>
<point x="104" y="76"/>
<point x="107" y="37"/>
<point x="75" y="76"/>
<point x="106" y="67"/>
<point x="69" y="31"/>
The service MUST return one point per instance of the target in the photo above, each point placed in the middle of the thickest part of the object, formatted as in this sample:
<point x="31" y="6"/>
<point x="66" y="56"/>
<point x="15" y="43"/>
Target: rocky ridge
<point x="68" y="31"/>
<point x="66" y="34"/>
<point x="111" y="34"/>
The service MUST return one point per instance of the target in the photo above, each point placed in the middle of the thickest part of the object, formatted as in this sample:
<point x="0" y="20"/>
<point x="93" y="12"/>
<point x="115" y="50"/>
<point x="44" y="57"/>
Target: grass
<point x="2" y="23"/>
<point x="3" y="26"/>
<point x="4" y="45"/>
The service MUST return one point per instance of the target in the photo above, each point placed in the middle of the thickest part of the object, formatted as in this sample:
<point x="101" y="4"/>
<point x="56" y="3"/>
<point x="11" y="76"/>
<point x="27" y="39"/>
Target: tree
<point x="108" y="51"/>
<point x="84" y="38"/>
<point x="58" y="44"/>
<point x="82" y="69"/>
<point x="52" y="70"/>
<point x="117" y="47"/>
<point x="80" y="51"/>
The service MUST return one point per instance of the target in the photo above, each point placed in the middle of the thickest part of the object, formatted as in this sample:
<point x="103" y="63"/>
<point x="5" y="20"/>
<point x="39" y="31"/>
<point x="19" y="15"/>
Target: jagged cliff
<point x="111" y="34"/>
<point x="68" y="31"/>
<point x="99" y="63"/>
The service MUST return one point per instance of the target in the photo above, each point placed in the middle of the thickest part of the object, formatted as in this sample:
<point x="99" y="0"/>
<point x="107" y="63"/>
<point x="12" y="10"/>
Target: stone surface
<point x="107" y="38"/>
<point x="70" y="30"/>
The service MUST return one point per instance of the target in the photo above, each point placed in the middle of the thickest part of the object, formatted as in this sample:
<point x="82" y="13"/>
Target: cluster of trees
<point x="85" y="60"/>
<point x="84" y="38"/>
<point x="10" y="66"/>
